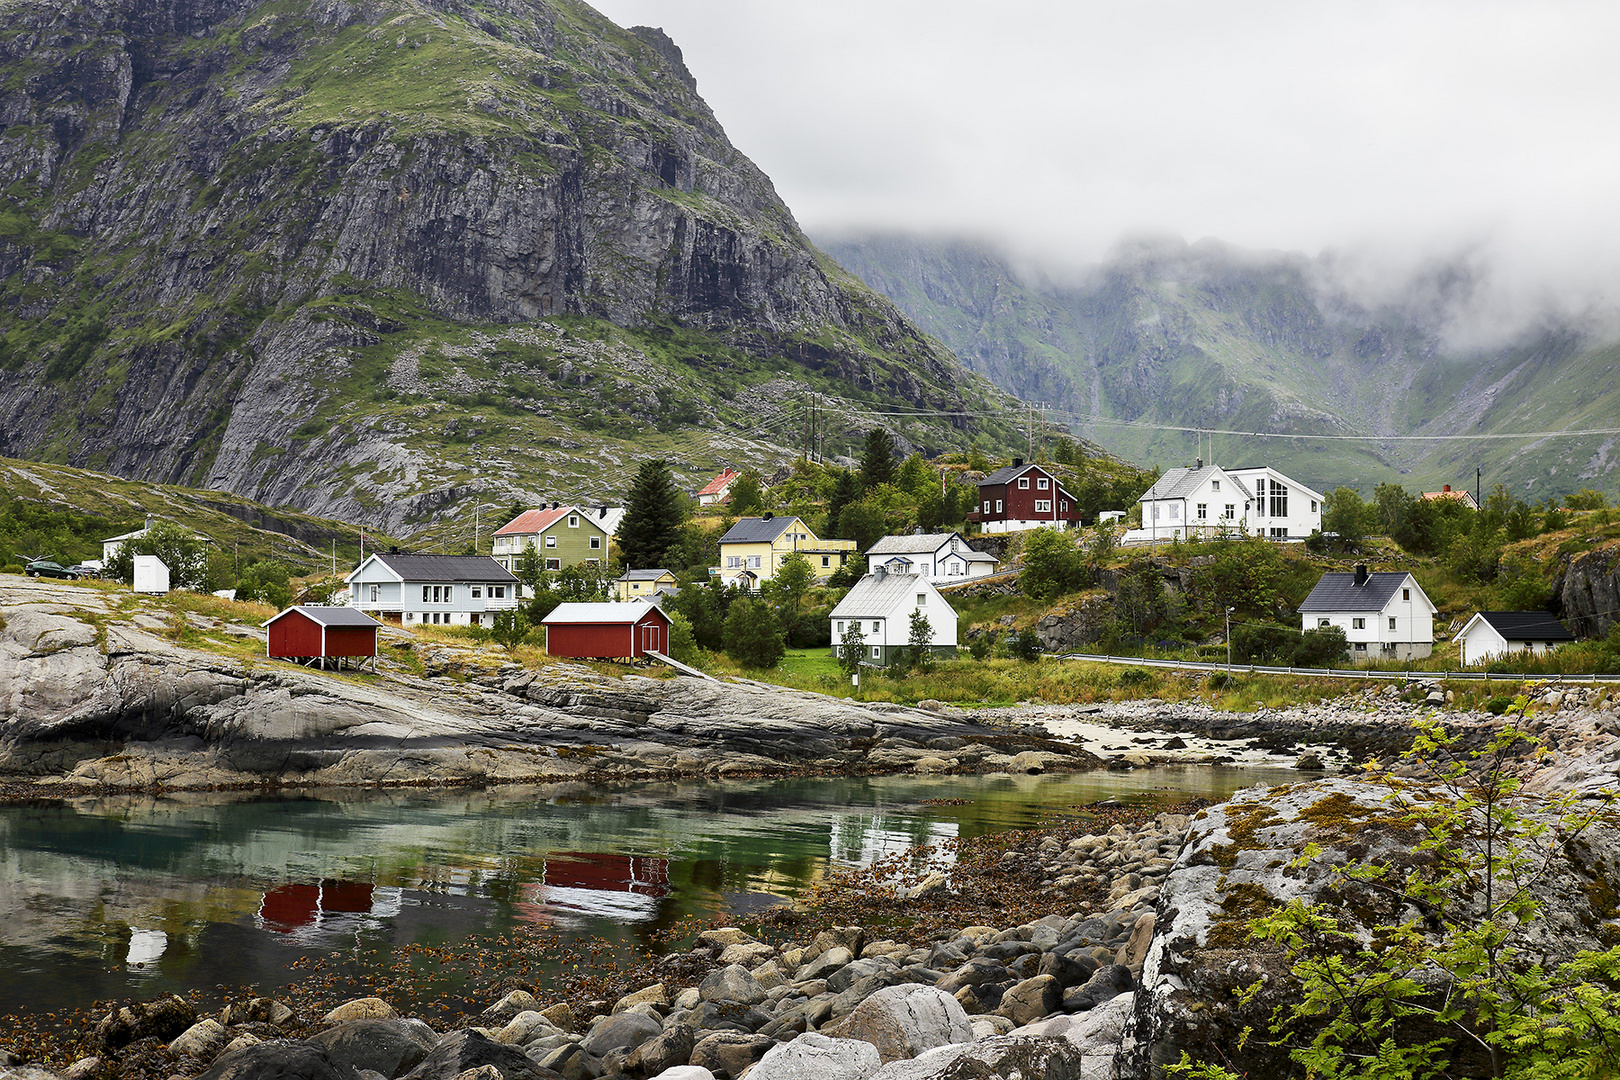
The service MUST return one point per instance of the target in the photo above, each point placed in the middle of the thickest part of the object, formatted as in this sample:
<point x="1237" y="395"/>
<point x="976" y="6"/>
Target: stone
<point x="731" y="983"/>
<point x="205" y="1038"/>
<point x="856" y="970"/>
<point x="1108" y="983"/>
<point x="560" y="1014"/>
<point x="259" y="1010"/>
<point x="567" y="1061"/>
<point x="278" y="1059"/>
<point x="745" y="952"/>
<point x="390" y="1047"/>
<point x="668" y="1048"/>
<point x="465" y="1050"/>
<point x="518" y="1001"/>
<point x="825" y="964"/>
<point x="728" y="1053"/>
<point x="685" y="1072"/>
<point x="161" y="1018"/>
<point x="813" y="1056"/>
<point x="368" y="1008"/>
<point x="722" y="936"/>
<point x="1096" y="1033"/>
<point x="1027" y="761"/>
<point x="620" y="1032"/>
<point x="1031" y="999"/>
<point x="525" y="1028"/>
<point x="1134" y="951"/>
<point x="903" y="1021"/>
<point x="86" y="1068"/>
<point x="656" y="995"/>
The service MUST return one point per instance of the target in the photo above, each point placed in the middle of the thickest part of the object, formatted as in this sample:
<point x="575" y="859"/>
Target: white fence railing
<point x="1336" y="673"/>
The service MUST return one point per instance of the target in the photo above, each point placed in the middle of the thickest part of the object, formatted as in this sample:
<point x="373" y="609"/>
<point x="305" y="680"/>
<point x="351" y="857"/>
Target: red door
<point x="649" y="638"/>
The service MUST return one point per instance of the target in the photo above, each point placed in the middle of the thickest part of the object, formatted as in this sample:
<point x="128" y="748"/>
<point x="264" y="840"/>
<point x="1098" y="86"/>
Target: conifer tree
<point x="652" y="518"/>
<point x="877" y="459"/>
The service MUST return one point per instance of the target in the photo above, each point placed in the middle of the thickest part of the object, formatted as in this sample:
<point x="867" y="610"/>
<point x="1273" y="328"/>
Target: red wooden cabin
<point x="606" y="631"/>
<point x="310" y="632"/>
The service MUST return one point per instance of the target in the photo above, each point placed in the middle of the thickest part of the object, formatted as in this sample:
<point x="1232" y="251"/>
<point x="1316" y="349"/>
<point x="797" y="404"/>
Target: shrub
<point x="752" y="636"/>
<point x="11" y="568"/>
<point x="1497" y="705"/>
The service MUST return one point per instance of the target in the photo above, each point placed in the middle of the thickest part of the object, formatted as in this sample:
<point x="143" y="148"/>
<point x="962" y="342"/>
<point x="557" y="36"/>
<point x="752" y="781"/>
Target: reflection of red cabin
<point x="318" y="633"/>
<point x="603" y="872"/>
<point x="606" y="631"/>
<point x="290" y="907"/>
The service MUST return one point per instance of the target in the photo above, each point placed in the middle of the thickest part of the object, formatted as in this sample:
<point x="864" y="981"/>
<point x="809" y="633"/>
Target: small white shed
<point x="151" y="574"/>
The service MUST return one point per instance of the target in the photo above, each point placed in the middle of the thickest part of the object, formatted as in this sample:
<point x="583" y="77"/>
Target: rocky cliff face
<point x="226" y="219"/>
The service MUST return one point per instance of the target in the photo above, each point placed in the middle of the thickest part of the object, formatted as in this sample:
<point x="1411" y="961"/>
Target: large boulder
<point x="161" y="1018"/>
<point x="903" y="1021"/>
<point x="463" y="1051"/>
<point x="731" y="983"/>
<point x="619" y="1032"/>
<point x="279" y="1059"/>
<point x="813" y="1056"/>
<point x="390" y="1047"/>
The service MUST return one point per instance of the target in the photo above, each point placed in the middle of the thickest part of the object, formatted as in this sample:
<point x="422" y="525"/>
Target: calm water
<point x="110" y="898"/>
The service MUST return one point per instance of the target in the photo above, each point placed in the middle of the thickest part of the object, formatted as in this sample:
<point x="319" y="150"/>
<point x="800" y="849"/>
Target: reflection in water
<point x="107" y="897"/>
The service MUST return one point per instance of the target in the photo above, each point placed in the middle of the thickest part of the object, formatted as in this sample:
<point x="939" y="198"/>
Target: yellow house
<point x="637" y="584"/>
<point x="753" y="549"/>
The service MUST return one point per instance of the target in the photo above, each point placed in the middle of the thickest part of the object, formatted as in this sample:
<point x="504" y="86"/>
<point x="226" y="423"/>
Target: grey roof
<point x="642" y="575"/>
<point x="1339" y="592"/>
<point x="752" y="530"/>
<point x="1527" y="626"/>
<point x="446" y="567"/>
<point x="1009" y="473"/>
<point x="916" y="543"/>
<point x="330" y="616"/>
<point x="599" y="612"/>
<point x="1180" y="482"/>
<point x="876" y="596"/>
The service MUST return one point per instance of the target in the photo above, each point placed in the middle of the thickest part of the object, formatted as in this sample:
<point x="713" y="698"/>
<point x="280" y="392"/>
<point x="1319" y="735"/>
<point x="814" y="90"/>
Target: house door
<point x="649" y="639"/>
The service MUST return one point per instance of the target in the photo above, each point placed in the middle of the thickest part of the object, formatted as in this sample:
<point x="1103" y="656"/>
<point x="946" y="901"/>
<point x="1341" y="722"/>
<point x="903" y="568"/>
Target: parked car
<point x="46" y="568"/>
<point x="85" y="569"/>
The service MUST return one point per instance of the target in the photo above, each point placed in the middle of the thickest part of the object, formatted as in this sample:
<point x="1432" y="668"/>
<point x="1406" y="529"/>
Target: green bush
<point x="1497" y="705"/>
<point x="11" y="568"/>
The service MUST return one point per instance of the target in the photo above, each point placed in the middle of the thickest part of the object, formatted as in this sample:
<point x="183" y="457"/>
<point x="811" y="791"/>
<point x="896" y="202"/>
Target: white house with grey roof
<point x="881" y="605"/>
<point x="940" y="557"/>
<point x="1208" y="500"/>
<point x="1490" y="635"/>
<point x="433" y="590"/>
<point x="1384" y="616"/>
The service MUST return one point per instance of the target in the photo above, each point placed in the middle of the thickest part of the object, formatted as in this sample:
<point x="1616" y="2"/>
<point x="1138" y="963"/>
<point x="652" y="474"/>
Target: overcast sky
<point x="1059" y="126"/>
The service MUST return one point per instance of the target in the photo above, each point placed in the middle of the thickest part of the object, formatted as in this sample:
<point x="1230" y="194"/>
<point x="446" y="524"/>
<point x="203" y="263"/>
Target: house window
<point x="998" y="506"/>
<point x="753" y="562"/>
<point x="733" y="562"/>
<point x="478" y="592"/>
<point x="875" y="625"/>
<point x="497" y="592"/>
<point x="1214" y="485"/>
<point x="1313" y="506"/>
<point x="427" y="591"/>
<point x="922" y="599"/>
<point x="1322" y="624"/>
<point x="1392" y="622"/>
<point x="826" y="560"/>
<point x="473" y="619"/>
<point x="1063" y="505"/>
<point x="1155" y="511"/>
<point x="376" y="593"/>
<point x="1023" y="483"/>
<point x="1358" y="624"/>
<point x="551" y="541"/>
<point x="1231" y="511"/>
<point x="1203" y="511"/>
<point x="1406" y="594"/>
<point x="1279" y="534"/>
<point x="877" y="652"/>
<point x="1043" y="506"/>
<point x="840" y="628"/>
<point x="1279" y="500"/>
<point x="573" y="521"/>
<point x="1175" y="511"/>
<point x="596" y="543"/>
<point x="553" y="564"/>
<point x="1041" y="483"/>
<point x="593" y="562"/>
<point x="987" y="506"/>
<point x="1361" y="646"/>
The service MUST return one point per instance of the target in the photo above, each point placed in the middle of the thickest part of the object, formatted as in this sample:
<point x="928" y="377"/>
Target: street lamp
<point x="1228" y="639"/>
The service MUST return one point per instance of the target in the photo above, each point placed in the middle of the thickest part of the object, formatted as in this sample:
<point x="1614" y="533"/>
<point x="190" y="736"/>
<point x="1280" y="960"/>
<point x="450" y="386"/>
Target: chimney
<point x="917" y="531"/>
<point x="1361" y="573"/>
<point x="556" y="506"/>
<point x="880" y="570"/>
<point x="766" y="516"/>
<point x="603" y="514"/>
<point x="1446" y="488"/>
<point x="1018" y="463"/>
<point x="1199" y="464"/>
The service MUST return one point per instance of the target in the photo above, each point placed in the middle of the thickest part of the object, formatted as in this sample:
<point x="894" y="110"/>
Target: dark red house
<point x="606" y="631"/>
<point x="311" y="632"/>
<point x="1023" y="497"/>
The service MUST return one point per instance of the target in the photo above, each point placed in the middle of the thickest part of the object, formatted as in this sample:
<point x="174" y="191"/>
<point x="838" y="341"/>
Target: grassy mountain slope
<point x="1209" y="337"/>
<point x="375" y="259"/>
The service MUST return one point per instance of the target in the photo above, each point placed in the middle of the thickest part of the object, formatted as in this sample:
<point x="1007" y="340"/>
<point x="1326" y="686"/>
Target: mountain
<point x="1166" y="335"/>
<point x="376" y="258"/>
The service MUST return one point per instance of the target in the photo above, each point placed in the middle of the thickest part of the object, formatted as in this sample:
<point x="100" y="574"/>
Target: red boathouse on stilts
<point x="311" y="634"/>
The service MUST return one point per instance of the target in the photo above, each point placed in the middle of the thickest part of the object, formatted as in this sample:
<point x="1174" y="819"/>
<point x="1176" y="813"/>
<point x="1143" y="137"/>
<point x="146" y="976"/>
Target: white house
<point x="940" y="557"/>
<point x="1208" y="500"/>
<point x="436" y="590"/>
<point x="881" y="605"/>
<point x="1492" y="634"/>
<point x="1384" y="616"/>
<point x="110" y="546"/>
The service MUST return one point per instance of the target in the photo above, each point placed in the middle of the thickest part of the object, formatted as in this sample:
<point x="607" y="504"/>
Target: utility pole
<point x="1228" y="639"/>
<point x="1477" y="503"/>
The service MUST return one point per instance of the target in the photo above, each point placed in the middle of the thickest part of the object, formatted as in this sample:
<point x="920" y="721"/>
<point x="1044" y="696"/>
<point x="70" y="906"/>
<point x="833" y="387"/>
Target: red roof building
<point x="311" y="632"/>
<point x="606" y="631"/>
<point x="715" y="489"/>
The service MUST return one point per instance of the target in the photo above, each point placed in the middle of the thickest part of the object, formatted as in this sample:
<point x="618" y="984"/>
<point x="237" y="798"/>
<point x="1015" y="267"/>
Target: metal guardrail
<point x="1334" y="673"/>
